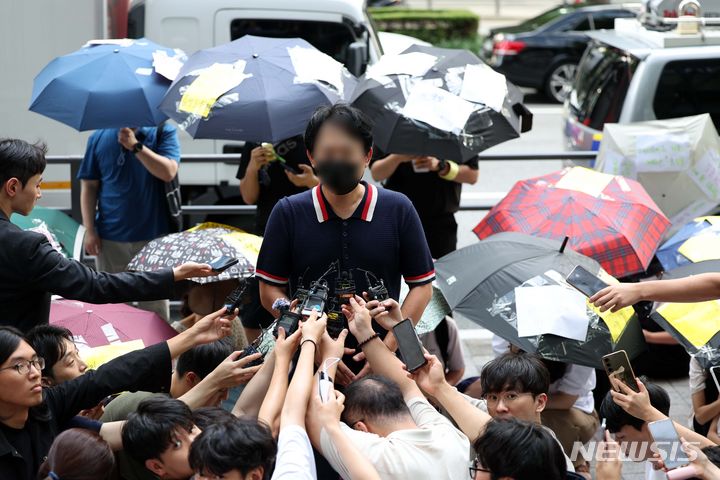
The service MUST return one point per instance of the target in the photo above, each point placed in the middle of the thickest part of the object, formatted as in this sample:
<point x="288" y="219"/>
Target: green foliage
<point x="434" y="26"/>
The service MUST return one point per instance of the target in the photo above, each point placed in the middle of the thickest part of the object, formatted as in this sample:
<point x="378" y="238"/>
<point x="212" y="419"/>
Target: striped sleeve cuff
<point x="421" y="279"/>
<point x="270" y="278"/>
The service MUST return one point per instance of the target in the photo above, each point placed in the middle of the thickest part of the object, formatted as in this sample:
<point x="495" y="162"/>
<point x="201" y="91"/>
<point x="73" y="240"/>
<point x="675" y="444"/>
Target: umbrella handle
<point x="526" y="117"/>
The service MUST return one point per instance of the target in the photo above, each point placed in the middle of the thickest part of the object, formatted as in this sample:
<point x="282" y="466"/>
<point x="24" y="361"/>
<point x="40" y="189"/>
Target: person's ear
<point x="541" y="402"/>
<point x="155" y="466"/>
<point x="256" y="473"/>
<point x="192" y="378"/>
<point x="310" y="157"/>
<point x="369" y="156"/>
<point x="361" y="426"/>
<point x="47" y="381"/>
<point x="12" y="187"/>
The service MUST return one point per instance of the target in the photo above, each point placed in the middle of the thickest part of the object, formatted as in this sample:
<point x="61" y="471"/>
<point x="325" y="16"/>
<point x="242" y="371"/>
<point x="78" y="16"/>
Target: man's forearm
<point x="88" y="204"/>
<point x="268" y="295"/>
<point x="467" y="175"/>
<point x="250" y="185"/>
<point x="180" y="343"/>
<point x="298" y="393"/>
<point x="689" y="435"/>
<point x="698" y="288"/>
<point x="470" y="420"/>
<point x="160" y="167"/>
<point x="385" y="363"/>
<point x="416" y="301"/>
<point x="254" y="392"/>
<point x="275" y="397"/>
<point x="384" y="168"/>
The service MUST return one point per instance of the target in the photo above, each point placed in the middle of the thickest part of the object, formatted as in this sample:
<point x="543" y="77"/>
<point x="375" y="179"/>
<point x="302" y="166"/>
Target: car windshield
<point x="545" y="17"/>
<point x="603" y="78"/>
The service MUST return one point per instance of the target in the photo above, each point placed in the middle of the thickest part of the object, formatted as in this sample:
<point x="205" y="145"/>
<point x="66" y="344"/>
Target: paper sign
<point x="663" y="153"/>
<point x="110" y="333"/>
<point x="96" y="356"/>
<point x="706" y="174"/>
<point x="697" y="322"/>
<point x="438" y="107"/>
<point x="551" y="309"/>
<point x="212" y="82"/>
<point x="615" y="321"/>
<point x="314" y="66"/>
<point x="584" y="180"/>
<point x="167" y="66"/>
<point x="618" y="164"/>
<point x="146" y="71"/>
<point x="415" y="64"/>
<point x="699" y="248"/>
<point x="482" y="84"/>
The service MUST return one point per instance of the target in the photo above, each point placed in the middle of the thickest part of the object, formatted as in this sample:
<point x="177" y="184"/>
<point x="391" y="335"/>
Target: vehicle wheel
<point x="560" y="81"/>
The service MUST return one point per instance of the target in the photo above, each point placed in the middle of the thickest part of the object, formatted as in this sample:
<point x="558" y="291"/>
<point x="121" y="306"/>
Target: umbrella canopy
<point x="63" y="232"/>
<point x="441" y="102"/>
<point x="255" y="89"/>
<point x="201" y="244"/>
<point x="608" y="218"/>
<point x="108" y="85"/>
<point x="480" y="281"/>
<point x="433" y="314"/>
<point x="707" y="266"/>
<point x="696" y="241"/>
<point x="676" y="160"/>
<point x="96" y="325"/>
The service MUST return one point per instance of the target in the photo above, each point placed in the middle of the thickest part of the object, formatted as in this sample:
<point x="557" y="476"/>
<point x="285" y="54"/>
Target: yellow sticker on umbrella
<point x="701" y="247"/>
<point x="697" y="322"/>
<point x="584" y="180"/>
<point x="615" y="321"/>
<point x="213" y="81"/>
<point x="96" y="356"/>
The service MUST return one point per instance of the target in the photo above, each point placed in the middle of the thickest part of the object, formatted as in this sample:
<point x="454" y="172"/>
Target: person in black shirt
<point x="264" y="180"/>
<point x="433" y="186"/>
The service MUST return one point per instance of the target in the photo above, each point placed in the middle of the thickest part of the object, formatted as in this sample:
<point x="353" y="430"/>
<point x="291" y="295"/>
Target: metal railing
<point x="234" y="159"/>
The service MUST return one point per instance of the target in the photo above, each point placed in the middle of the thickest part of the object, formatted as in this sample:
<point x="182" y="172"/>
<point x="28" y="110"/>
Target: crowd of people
<point x="158" y="412"/>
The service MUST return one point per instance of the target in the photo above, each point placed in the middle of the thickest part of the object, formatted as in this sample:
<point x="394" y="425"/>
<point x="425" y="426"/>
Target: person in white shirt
<point x="387" y="417"/>
<point x="705" y="401"/>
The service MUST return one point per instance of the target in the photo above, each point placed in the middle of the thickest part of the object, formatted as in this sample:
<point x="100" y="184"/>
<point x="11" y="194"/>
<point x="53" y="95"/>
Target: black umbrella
<point x="479" y="282"/>
<point x="383" y="98"/>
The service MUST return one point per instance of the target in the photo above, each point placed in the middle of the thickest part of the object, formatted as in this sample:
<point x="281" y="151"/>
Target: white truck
<point x="35" y="32"/>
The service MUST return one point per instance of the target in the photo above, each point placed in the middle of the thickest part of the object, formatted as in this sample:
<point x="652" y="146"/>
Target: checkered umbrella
<point x="607" y="217"/>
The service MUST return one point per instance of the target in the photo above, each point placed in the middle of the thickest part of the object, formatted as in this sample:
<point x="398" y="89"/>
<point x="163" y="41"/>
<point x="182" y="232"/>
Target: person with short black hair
<point x="31" y="269"/>
<point x="348" y="221"/>
<point x="62" y="359"/>
<point x="514" y="449"/>
<point x="158" y="436"/>
<point x="206" y="416"/>
<point x="78" y="454"/>
<point x="240" y="449"/>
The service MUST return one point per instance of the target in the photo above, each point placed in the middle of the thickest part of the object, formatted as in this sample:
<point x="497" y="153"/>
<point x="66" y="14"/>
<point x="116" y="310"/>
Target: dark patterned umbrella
<point x="201" y="244"/>
<point x="607" y="217"/>
<point x="479" y="282"/>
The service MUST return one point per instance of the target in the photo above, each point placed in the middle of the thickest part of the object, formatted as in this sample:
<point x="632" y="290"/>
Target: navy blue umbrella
<point x="278" y="83"/>
<point x="108" y="85"/>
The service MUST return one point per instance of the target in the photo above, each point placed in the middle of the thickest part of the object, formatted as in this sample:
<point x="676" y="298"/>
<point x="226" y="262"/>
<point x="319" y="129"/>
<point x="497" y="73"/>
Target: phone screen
<point x="409" y="345"/>
<point x="314" y="302"/>
<point x="667" y="443"/>
<point x="585" y="281"/>
<point x="715" y="372"/>
<point x="222" y="263"/>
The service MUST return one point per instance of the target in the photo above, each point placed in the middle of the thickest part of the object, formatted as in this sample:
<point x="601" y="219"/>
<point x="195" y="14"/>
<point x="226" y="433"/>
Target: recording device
<point x="336" y="323"/>
<point x="667" y="443"/>
<point x="316" y="298"/>
<point x="376" y="287"/>
<point x="618" y="365"/>
<point x="344" y="288"/>
<point x="222" y="263"/>
<point x="584" y="281"/>
<point x="409" y="346"/>
<point x="715" y="372"/>
<point x="237" y="297"/>
<point x="289" y="321"/>
<point x="251" y="350"/>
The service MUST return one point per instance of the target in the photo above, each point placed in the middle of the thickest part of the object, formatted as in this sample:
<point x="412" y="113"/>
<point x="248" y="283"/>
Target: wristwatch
<point x="137" y="147"/>
<point x="442" y="164"/>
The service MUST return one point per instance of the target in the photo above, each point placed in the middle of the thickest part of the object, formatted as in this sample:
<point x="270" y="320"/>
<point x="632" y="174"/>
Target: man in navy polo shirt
<point x="346" y="220"/>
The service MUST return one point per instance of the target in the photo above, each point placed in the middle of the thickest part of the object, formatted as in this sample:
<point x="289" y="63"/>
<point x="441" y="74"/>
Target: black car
<point x="543" y="52"/>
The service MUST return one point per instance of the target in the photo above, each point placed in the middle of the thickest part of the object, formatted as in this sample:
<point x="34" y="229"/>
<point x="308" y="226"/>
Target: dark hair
<point x="241" y="443"/>
<point x="10" y="338"/>
<point x="713" y="454"/>
<point x="206" y="416"/>
<point x="79" y="454"/>
<point x="373" y="397"/>
<point x="616" y="418"/>
<point x="350" y="119"/>
<point x="203" y="359"/>
<point x="465" y="383"/>
<point x="20" y="159"/>
<point x="522" y="372"/>
<point x="47" y="341"/>
<point x="149" y="430"/>
<point x="556" y="369"/>
<point x="520" y="450"/>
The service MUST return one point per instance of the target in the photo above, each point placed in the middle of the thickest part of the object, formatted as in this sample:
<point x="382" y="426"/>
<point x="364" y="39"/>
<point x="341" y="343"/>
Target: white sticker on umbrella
<point x="551" y="309"/>
<point x="438" y="107"/>
<point x="482" y="84"/>
<point x="706" y="174"/>
<point x="663" y="153"/>
<point x="167" y="66"/>
<point x="414" y="63"/>
<point x="146" y="71"/>
<point x="110" y="333"/>
<point x="618" y="164"/>
<point x="314" y="66"/>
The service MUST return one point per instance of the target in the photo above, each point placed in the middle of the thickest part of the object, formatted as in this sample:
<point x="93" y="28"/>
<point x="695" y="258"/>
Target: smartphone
<point x="584" y="281"/>
<point x="409" y="345"/>
<point x="667" y="443"/>
<point x="618" y="365"/>
<point x="289" y="321"/>
<point x="289" y="168"/>
<point x="336" y="323"/>
<point x="222" y="263"/>
<point x="251" y="350"/>
<point x="715" y="372"/>
<point x="236" y="298"/>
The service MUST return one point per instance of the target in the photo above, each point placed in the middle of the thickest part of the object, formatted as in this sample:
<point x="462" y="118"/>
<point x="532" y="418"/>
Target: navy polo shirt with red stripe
<point x="384" y="236"/>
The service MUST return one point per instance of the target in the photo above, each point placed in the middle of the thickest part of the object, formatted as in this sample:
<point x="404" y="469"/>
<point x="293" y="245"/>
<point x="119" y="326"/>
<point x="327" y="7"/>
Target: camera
<point x="344" y="288"/>
<point x="250" y="350"/>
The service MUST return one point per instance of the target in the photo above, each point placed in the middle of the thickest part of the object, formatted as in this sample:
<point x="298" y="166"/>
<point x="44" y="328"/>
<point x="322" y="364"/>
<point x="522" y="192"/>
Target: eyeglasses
<point x="507" y="398"/>
<point x="23" y="366"/>
<point x="475" y="468"/>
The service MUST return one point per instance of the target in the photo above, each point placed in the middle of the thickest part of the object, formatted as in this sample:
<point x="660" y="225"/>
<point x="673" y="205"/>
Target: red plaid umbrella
<point x="607" y="217"/>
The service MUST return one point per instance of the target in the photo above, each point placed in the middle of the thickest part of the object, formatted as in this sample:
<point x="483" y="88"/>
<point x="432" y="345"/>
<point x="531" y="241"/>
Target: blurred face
<point x="24" y="197"/>
<point x="520" y="405"/>
<point x="20" y="390"/>
<point x="173" y="463"/>
<point x="338" y="158"/>
<point x="632" y="441"/>
<point x="70" y="366"/>
<point x="256" y="474"/>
